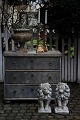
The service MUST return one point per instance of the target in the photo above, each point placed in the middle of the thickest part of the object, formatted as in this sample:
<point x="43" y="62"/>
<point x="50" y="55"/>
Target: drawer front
<point x="23" y="92"/>
<point x="32" y="77"/>
<point x="32" y="63"/>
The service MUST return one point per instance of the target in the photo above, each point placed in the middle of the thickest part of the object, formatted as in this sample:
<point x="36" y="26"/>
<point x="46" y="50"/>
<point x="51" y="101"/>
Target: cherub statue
<point x="44" y="98"/>
<point x="62" y="95"/>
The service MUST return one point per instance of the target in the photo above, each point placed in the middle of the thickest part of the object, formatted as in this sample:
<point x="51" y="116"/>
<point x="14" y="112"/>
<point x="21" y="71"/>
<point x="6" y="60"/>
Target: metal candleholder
<point x="39" y="46"/>
<point x="45" y="38"/>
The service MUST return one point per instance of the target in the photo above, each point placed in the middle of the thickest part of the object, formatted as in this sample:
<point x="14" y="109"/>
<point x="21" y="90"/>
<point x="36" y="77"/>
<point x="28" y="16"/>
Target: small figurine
<point x="62" y="95"/>
<point x="44" y="98"/>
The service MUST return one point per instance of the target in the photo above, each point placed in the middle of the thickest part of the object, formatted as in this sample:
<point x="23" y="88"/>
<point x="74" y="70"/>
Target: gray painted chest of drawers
<point x="24" y="73"/>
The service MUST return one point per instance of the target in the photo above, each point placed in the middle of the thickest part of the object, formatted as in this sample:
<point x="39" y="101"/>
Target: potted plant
<point x="21" y="33"/>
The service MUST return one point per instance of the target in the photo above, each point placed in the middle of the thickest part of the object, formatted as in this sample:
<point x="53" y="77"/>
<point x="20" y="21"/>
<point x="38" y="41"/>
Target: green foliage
<point x="71" y="52"/>
<point x="34" y="43"/>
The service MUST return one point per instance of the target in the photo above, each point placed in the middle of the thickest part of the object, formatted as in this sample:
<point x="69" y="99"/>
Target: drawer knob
<point x="50" y="64"/>
<point x="23" y="89"/>
<point x="31" y="89"/>
<point x="14" y="63"/>
<point x="32" y="75"/>
<point x="31" y="61"/>
<point x="14" y="92"/>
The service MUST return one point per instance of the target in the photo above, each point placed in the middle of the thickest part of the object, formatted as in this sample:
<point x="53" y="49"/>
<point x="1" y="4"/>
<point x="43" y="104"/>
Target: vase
<point x="21" y="36"/>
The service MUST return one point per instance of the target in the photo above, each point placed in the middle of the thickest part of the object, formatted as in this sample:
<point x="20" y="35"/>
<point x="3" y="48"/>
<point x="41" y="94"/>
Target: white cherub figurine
<point x="44" y="98"/>
<point x="62" y="95"/>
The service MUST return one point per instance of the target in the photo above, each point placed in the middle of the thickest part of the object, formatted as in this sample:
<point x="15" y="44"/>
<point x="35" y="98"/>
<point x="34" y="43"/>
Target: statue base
<point x="42" y="110"/>
<point x="62" y="111"/>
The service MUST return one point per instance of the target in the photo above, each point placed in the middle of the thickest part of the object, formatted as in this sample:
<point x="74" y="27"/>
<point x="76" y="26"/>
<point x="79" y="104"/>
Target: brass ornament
<point x="39" y="46"/>
<point x="40" y="49"/>
<point x="45" y="39"/>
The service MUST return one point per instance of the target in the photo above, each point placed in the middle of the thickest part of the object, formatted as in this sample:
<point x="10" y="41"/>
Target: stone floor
<point x="27" y="110"/>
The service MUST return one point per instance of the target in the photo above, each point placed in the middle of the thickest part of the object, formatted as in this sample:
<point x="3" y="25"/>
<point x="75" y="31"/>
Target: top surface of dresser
<point x="33" y="53"/>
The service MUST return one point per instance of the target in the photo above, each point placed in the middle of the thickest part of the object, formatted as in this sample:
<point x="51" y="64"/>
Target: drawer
<point x="13" y="92"/>
<point x="33" y="77"/>
<point x="32" y="63"/>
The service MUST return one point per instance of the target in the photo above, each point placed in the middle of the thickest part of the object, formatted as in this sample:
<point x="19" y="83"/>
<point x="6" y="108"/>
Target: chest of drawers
<point x="24" y="73"/>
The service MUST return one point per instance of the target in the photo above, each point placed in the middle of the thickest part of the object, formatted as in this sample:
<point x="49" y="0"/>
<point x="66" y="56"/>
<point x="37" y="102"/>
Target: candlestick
<point x="46" y="17"/>
<point x="45" y="38"/>
<point x="39" y="46"/>
<point x="39" y="16"/>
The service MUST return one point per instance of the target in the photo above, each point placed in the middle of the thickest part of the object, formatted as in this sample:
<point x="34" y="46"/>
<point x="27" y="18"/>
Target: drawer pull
<point x="32" y="75"/>
<point x="31" y="61"/>
<point x="14" y="63"/>
<point x="31" y="89"/>
<point x="14" y="92"/>
<point x="50" y="64"/>
<point x="23" y="89"/>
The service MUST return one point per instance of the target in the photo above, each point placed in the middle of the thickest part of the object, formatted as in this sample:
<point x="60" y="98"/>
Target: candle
<point x="46" y="17"/>
<point x="39" y="16"/>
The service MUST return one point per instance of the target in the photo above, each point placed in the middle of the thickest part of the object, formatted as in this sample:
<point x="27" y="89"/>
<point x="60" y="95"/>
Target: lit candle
<point x="46" y="17"/>
<point x="39" y="16"/>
